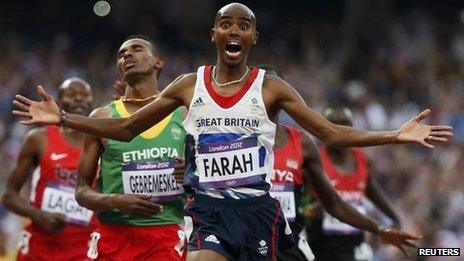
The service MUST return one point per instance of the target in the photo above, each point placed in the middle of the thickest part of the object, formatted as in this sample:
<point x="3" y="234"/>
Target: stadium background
<point x="385" y="59"/>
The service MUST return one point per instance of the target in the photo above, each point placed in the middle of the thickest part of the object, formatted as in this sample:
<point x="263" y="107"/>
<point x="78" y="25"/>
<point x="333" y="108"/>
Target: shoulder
<point x="104" y="111"/>
<point x="36" y="134"/>
<point x="187" y="79"/>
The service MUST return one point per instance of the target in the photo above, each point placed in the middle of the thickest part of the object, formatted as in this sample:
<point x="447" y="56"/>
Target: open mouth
<point x="129" y="65"/>
<point x="233" y="49"/>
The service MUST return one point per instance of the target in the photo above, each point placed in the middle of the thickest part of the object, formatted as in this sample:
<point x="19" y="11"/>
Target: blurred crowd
<point x="384" y="83"/>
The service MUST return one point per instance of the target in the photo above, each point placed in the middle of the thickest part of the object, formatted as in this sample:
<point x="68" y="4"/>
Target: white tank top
<point x="230" y="140"/>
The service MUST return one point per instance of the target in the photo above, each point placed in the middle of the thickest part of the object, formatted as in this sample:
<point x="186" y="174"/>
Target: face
<point x="135" y="56"/>
<point x="76" y="97"/>
<point x="234" y="33"/>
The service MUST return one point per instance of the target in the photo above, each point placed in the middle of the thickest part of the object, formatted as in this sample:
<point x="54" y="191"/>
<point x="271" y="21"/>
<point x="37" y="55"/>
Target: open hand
<point x="415" y="132"/>
<point x="398" y="239"/>
<point x="52" y="223"/>
<point x="44" y="112"/>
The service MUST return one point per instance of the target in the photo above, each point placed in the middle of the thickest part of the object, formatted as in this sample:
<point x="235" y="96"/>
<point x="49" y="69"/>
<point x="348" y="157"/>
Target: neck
<point x="338" y="154"/>
<point x="226" y="73"/>
<point x="73" y="136"/>
<point x="142" y="87"/>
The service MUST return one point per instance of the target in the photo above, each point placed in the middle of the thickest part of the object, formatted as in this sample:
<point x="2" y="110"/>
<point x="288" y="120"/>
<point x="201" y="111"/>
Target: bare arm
<point x="28" y="160"/>
<point x="332" y="202"/>
<point x="285" y="97"/>
<point x="90" y="198"/>
<point x="47" y="112"/>
<point x="378" y="197"/>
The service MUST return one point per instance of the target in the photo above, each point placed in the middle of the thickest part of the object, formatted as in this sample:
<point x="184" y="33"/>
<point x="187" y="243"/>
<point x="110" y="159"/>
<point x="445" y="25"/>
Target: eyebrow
<point x="135" y="45"/>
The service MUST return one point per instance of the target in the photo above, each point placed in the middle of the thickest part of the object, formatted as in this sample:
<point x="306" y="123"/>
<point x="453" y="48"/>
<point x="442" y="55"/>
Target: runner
<point x="229" y="143"/>
<point x="297" y="165"/>
<point x="138" y="201"/>
<point x="348" y="169"/>
<point x="60" y="228"/>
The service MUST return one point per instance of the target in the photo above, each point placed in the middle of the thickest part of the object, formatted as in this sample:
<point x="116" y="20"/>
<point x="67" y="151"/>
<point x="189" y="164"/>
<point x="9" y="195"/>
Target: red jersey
<point x="350" y="186"/>
<point x="287" y="173"/>
<point x="55" y="182"/>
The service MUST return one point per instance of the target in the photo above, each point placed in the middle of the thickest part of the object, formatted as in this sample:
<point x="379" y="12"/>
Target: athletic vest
<point x="54" y="184"/>
<point x="350" y="186"/>
<point x="144" y="166"/>
<point x="287" y="173"/>
<point x="229" y="140"/>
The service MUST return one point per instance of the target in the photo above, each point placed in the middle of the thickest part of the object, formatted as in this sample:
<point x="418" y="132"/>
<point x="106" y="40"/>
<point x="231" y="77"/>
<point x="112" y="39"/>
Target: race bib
<point x="229" y="164"/>
<point x="333" y="226"/>
<point x="60" y="199"/>
<point x="285" y="194"/>
<point x="154" y="179"/>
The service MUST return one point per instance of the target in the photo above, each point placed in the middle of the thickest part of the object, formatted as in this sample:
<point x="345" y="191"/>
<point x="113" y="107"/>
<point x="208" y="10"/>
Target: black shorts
<point x="245" y="229"/>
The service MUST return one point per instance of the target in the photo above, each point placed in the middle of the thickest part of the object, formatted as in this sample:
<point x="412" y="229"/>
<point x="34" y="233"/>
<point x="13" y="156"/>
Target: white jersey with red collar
<point x="229" y="144"/>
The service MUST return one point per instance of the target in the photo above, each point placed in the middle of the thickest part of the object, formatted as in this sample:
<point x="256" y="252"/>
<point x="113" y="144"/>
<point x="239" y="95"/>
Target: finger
<point x="403" y="250"/>
<point x="141" y="213"/>
<point x="21" y="105"/>
<point x="441" y="133"/>
<point x="425" y="144"/>
<point x="150" y="205"/>
<point x="149" y="210"/>
<point x="410" y="244"/>
<point x="23" y="99"/>
<point x="410" y="237"/>
<point x="22" y="113"/>
<point x="43" y="93"/>
<point x="424" y="114"/>
<point x="27" y="122"/>
<point x="441" y="127"/>
<point x="437" y="139"/>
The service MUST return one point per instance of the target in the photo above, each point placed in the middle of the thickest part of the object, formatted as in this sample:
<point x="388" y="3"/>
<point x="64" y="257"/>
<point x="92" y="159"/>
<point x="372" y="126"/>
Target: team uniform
<point x="287" y="187"/>
<point x="331" y="239"/>
<point x="53" y="188"/>
<point x="229" y="163"/>
<point x="143" y="166"/>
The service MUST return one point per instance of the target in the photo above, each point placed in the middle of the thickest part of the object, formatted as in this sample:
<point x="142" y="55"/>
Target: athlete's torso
<point x="229" y="140"/>
<point x="287" y="176"/>
<point x="144" y="166"/>
<point x="55" y="180"/>
<point x="351" y="187"/>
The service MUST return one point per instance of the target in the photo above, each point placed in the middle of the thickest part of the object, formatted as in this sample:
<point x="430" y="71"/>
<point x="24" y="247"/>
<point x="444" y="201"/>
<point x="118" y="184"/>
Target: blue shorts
<point x="245" y="229"/>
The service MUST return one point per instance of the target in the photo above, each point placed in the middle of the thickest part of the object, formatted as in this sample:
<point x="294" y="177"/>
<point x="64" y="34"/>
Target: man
<point x="60" y="227"/>
<point x="139" y="202"/>
<point x="348" y="169"/>
<point x="229" y="157"/>
<point x="297" y="165"/>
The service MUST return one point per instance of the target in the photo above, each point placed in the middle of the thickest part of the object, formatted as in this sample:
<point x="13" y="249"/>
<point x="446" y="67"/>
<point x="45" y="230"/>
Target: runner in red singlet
<point x="349" y="172"/>
<point x="60" y="228"/>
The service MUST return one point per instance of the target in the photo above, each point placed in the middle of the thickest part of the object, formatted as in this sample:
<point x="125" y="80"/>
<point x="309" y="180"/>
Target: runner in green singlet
<point x="138" y="201"/>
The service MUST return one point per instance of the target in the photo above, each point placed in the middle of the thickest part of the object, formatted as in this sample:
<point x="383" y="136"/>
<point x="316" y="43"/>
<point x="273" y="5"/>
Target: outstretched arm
<point x="286" y="98"/>
<point x="90" y="198"/>
<point x="341" y="210"/>
<point x="48" y="112"/>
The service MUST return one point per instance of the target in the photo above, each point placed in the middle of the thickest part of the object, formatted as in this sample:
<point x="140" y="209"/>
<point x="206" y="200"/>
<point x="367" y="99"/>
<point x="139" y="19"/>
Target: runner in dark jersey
<point x="227" y="82"/>
<point x="139" y="202"/>
<point x="60" y="228"/>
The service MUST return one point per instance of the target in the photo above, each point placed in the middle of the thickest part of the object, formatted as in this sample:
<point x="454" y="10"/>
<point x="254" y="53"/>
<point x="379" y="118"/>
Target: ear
<point x="255" y="39"/>
<point x="159" y="63"/>
<point x="212" y="35"/>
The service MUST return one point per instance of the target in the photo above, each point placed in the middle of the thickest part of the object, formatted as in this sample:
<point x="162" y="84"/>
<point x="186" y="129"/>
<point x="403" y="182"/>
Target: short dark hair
<point x="155" y="49"/>
<point x="272" y="70"/>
